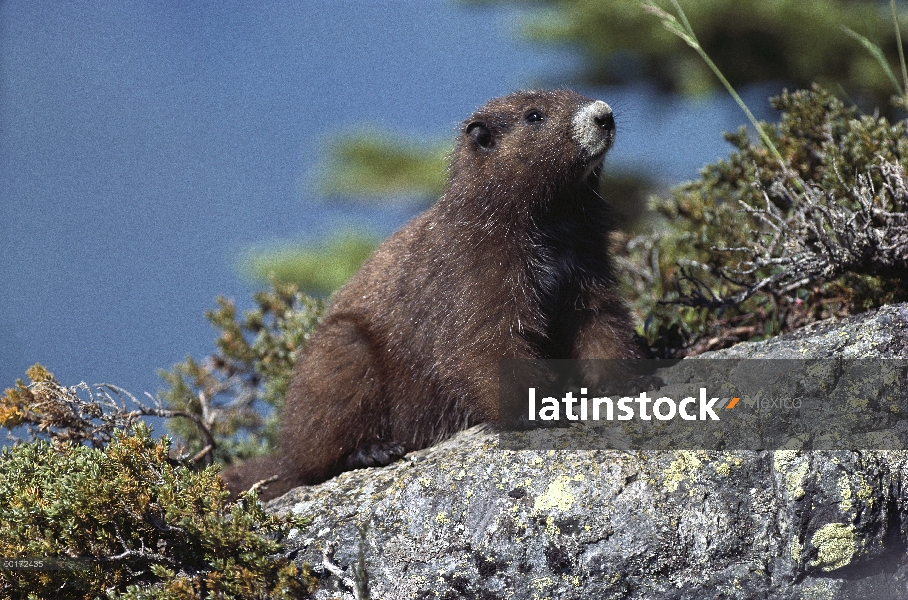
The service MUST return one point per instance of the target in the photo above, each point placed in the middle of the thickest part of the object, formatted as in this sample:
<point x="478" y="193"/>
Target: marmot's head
<point x="533" y="141"/>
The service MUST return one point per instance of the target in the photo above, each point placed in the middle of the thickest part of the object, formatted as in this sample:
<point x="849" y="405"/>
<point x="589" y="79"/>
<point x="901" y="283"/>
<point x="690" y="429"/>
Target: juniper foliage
<point x="129" y="521"/>
<point x="756" y="247"/>
<point x="237" y="392"/>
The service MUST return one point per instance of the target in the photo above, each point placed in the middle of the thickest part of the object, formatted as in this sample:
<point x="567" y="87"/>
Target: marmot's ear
<point x="481" y="134"/>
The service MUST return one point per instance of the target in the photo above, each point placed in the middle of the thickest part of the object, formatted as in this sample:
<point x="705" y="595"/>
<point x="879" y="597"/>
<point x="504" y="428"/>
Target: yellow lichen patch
<point x="556" y="495"/>
<point x="865" y="491"/>
<point x="785" y="462"/>
<point x="835" y="544"/>
<point x="818" y="591"/>
<point x="782" y="460"/>
<point x="686" y="463"/>
<point x="796" y="479"/>
<point x="845" y="493"/>
<point x="795" y="548"/>
<point x="540" y="583"/>
<point x="857" y="400"/>
<point x="724" y="468"/>
<point x="891" y="374"/>
<point x="442" y="518"/>
<point x="550" y="527"/>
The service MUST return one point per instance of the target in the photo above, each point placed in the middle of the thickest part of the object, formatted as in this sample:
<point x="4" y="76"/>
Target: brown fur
<point x="511" y="262"/>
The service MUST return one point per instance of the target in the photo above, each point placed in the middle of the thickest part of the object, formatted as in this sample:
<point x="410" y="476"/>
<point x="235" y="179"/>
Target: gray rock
<point x="466" y="519"/>
<point x="882" y="333"/>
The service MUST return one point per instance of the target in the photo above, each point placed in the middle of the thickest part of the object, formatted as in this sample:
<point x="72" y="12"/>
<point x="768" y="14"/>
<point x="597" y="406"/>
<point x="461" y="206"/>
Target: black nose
<point x="605" y="120"/>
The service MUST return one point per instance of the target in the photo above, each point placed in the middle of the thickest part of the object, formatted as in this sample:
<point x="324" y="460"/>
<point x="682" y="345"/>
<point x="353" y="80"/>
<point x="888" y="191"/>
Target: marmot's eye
<point x="534" y="115"/>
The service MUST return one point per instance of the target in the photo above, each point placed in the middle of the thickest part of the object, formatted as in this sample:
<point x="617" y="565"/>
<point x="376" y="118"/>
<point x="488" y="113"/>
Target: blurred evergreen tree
<point x="794" y="42"/>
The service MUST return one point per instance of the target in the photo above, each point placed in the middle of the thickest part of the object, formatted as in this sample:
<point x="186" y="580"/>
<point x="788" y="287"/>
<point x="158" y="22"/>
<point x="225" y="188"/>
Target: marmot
<point x="511" y="262"/>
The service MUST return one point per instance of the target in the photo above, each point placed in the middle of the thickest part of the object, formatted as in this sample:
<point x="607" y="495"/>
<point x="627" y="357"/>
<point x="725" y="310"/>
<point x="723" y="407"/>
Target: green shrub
<point x="142" y="524"/>
<point x="839" y="167"/>
<point x="238" y="391"/>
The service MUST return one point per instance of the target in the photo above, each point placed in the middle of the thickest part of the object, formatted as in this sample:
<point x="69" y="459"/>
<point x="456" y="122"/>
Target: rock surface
<point x="465" y="519"/>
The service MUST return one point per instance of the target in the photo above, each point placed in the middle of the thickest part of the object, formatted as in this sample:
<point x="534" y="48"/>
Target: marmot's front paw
<point x="375" y="455"/>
